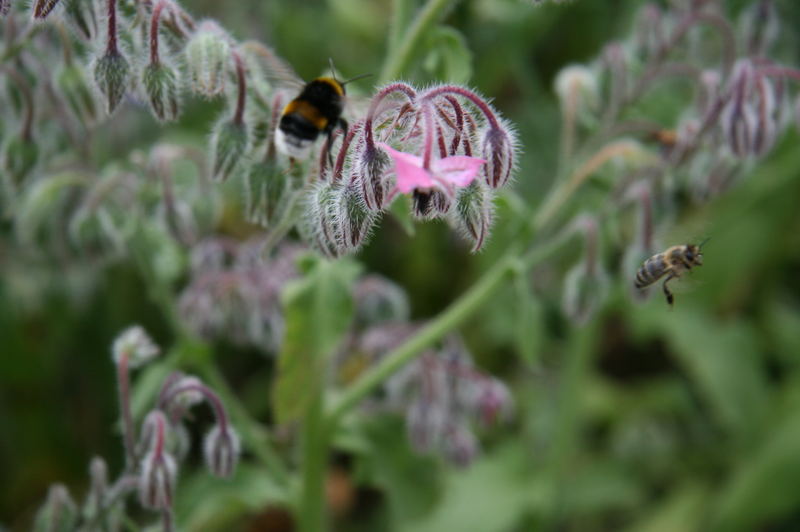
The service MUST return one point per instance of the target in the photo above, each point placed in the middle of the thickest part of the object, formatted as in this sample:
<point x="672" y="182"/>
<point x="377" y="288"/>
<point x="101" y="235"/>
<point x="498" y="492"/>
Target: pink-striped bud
<point x="159" y="472"/>
<point x="497" y="148"/>
<point x="473" y="213"/>
<point x="369" y="172"/>
<point x="459" y="445"/>
<point x="221" y="450"/>
<point x="42" y="8"/>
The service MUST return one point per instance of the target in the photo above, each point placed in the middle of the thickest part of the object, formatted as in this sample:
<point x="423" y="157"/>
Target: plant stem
<point x="399" y="57"/>
<point x="315" y="454"/>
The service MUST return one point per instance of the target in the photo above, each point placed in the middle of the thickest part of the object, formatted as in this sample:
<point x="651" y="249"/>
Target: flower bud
<point x="42" y="8"/>
<point x="426" y="422"/>
<point x="59" y="513"/>
<point x="319" y="225"/>
<point x="19" y="157"/>
<point x="267" y="193"/>
<point x="157" y="480"/>
<point x="586" y="285"/>
<point x="473" y="213"/>
<point x="136" y="345"/>
<point x="111" y="72"/>
<point x="5" y="7"/>
<point x="221" y="450"/>
<point x="766" y="125"/>
<point x="759" y="27"/>
<point x="207" y="54"/>
<point x="228" y="143"/>
<point x="161" y="83"/>
<point x="738" y="118"/>
<point x="498" y="146"/>
<point x="355" y="219"/>
<point x="185" y="392"/>
<point x="576" y="87"/>
<point x="370" y="167"/>
<point x="73" y="84"/>
<point x="493" y="402"/>
<point x="459" y="445"/>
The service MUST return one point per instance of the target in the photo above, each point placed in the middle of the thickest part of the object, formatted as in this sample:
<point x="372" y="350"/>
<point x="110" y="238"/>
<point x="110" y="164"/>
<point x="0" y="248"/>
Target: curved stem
<point x="399" y="58"/>
<point x="468" y="94"/>
<point x="241" y="99"/>
<point x="111" y="47"/>
<point x="154" y="59"/>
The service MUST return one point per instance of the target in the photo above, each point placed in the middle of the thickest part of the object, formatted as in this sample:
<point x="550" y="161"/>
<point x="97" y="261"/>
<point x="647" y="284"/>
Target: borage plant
<point x="343" y="339"/>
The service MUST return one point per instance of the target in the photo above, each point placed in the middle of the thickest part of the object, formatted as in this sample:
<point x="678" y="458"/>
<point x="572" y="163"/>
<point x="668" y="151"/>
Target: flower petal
<point x="408" y="170"/>
<point x="459" y="170"/>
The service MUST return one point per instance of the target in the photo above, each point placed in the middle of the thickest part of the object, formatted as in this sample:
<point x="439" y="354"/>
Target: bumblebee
<point x="317" y="109"/>
<point x="673" y="262"/>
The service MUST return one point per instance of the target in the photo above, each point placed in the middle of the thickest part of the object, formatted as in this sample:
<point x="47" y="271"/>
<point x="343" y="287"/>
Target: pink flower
<point x="446" y="173"/>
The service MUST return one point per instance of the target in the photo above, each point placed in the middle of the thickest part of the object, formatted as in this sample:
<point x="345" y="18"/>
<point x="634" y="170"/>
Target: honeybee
<point x="673" y="262"/>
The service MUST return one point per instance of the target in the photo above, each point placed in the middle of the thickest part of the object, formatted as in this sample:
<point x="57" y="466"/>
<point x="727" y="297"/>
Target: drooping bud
<point x="72" y="83"/>
<point x="158" y="469"/>
<point x="766" y="125"/>
<point x="459" y="445"/>
<point x="162" y="84"/>
<point x="473" y="213"/>
<point x="82" y="17"/>
<point x="759" y="27"/>
<point x="187" y="392"/>
<point x="42" y="8"/>
<point x="355" y="219"/>
<point x="267" y="191"/>
<point x="5" y="7"/>
<point x="576" y="88"/>
<point x="98" y="491"/>
<point x="492" y="402"/>
<point x="157" y="480"/>
<point x="586" y="285"/>
<point x="59" y="513"/>
<point x="207" y="55"/>
<point x="111" y="72"/>
<point x="221" y="450"/>
<point x="498" y="146"/>
<point x="426" y="422"/>
<point x="369" y="171"/>
<point x="228" y="143"/>
<point x="738" y="119"/>
<point x="136" y="345"/>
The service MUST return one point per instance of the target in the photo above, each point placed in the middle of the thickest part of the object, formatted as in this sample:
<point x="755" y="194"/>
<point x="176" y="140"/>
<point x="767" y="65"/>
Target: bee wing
<point x="275" y="69"/>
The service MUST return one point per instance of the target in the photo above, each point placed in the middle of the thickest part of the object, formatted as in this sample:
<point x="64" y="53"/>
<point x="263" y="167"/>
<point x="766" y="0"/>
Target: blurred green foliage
<point x="647" y="419"/>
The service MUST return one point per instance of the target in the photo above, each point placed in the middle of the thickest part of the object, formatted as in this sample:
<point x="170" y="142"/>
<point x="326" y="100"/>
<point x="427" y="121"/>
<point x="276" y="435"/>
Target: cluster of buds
<point x="444" y="146"/>
<point x="234" y="292"/>
<point x="442" y="394"/>
<point x="151" y="459"/>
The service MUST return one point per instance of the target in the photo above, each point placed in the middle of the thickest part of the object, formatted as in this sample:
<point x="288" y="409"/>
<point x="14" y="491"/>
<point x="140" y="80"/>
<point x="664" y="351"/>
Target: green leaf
<point x="449" y="58"/>
<point x="318" y="310"/>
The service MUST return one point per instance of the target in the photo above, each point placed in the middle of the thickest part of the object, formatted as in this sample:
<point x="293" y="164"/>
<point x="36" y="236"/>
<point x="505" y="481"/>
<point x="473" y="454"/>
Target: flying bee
<point x="673" y="262"/>
<point x="316" y="110"/>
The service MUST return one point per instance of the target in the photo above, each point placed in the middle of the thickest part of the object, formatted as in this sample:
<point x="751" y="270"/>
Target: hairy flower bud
<point x="497" y="148"/>
<point x="207" y="55"/>
<point x="42" y="8"/>
<point x="459" y="445"/>
<point x="111" y="73"/>
<point x="82" y="17"/>
<point x="759" y="27"/>
<point x="157" y="480"/>
<point x="74" y="86"/>
<point x="738" y="119"/>
<point x="369" y="170"/>
<point x="59" y="513"/>
<point x="355" y="219"/>
<point x="221" y="450"/>
<point x="426" y="422"/>
<point x="5" y="7"/>
<point x="766" y="106"/>
<point x="229" y="140"/>
<point x="576" y="88"/>
<point x="267" y="192"/>
<point x="162" y="84"/>
<point x="473" y="213"/>
<point x="134" y="343"/>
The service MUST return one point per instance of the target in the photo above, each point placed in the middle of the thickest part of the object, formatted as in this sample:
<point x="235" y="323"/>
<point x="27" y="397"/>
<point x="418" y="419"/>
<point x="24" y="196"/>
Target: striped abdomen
<point x="652" y="270"/>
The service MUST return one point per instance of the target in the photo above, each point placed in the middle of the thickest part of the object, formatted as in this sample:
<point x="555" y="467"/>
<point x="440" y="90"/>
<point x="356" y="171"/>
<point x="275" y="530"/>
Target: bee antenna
<point x="703" y="243"/>
<point x="355" y="78"/>
<point x="333" y="70"/>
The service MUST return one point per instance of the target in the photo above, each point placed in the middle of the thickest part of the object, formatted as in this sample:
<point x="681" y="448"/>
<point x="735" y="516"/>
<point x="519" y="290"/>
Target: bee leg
<point x="667" y="291"/>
